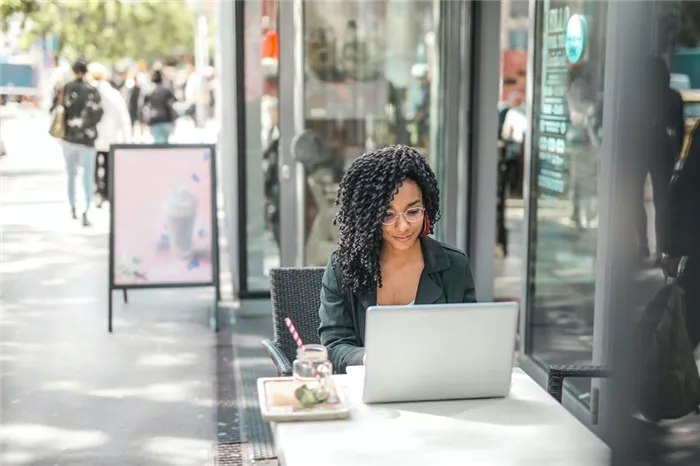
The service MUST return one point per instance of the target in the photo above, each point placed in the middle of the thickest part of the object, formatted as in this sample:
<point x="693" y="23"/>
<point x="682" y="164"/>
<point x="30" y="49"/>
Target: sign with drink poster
<point x="164" y="229"/>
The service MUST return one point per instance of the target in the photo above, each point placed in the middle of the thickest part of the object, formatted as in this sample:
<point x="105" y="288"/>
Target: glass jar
<point x="312" y="369"/>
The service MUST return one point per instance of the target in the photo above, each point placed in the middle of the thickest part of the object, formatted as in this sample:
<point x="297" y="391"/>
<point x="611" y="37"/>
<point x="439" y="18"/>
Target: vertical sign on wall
<point x="575" y="38"/>
<point x="553" y="176"/>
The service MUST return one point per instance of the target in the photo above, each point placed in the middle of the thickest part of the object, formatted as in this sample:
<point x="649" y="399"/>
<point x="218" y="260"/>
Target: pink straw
<point x="293" y="331"/>
<point x="298" y="341"/>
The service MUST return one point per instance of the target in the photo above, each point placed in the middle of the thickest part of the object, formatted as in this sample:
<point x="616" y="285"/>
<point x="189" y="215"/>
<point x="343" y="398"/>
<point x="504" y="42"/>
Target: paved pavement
<point x="72" y="394"/>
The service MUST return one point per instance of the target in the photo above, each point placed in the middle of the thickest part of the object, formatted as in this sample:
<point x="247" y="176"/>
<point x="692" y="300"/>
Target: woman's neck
<point x="400" y="257"/>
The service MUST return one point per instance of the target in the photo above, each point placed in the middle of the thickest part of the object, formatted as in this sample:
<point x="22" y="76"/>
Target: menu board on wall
<point x="553" y="174"/>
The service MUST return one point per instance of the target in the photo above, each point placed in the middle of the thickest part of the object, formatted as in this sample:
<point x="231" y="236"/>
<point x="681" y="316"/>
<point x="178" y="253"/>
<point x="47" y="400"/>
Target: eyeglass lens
<point x="412" y="215"/>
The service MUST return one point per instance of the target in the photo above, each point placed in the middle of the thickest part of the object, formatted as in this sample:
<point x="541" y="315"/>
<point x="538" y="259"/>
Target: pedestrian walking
<point x="682" y="254"/>
<point x="82" y="113"/>
<point x="158" y="109"/>
<point x="114" y="127"/>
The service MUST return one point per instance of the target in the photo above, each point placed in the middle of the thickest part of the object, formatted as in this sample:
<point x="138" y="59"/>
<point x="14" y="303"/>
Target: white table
<point x="527" y="428"/>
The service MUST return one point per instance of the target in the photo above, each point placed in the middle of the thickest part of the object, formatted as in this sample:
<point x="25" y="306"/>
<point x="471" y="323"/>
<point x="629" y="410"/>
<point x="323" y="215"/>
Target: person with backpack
<point x="82" y="111"/>
<point x="114" y="127"/>
<point x="682" y="256"/>
<point x="158" y="109"/>
<point x="661" y="127"/>
<point x="668" y="382"/>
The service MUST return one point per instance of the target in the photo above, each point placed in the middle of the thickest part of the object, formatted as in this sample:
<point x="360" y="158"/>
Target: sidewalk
<point x="72" y="394"/>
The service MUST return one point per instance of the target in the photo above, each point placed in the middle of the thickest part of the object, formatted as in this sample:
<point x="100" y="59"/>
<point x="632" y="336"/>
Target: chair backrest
<point x="295" y="293"/>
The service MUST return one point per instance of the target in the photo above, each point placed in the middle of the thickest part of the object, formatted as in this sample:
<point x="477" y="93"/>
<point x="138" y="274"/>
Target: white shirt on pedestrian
<point x="115" y="125"/>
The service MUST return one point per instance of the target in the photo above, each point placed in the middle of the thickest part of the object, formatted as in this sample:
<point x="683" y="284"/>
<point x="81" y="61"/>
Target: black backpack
<point x="668" y="382"/>
<point x="684" y="196"/>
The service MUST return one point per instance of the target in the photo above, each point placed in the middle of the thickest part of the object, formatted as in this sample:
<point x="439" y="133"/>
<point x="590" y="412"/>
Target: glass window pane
<point x="517" y="39"/>
<point x="512" y="127"/>
<point x="370" y="78"/>
<point x="518" y="8"/>
<point x="567" y="122"/>
<point x="261" y="136"/>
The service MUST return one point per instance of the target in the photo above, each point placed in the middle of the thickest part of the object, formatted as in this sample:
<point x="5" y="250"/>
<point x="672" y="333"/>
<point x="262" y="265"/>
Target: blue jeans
<point x="83" y="156"/>
<point x="161" y="132"/>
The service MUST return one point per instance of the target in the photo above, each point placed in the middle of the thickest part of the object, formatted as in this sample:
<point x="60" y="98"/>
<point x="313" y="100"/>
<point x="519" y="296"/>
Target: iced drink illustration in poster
<point x="162" y="216"/>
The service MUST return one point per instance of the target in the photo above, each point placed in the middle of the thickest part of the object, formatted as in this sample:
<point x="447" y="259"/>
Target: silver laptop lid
<point x="439" y="351"/>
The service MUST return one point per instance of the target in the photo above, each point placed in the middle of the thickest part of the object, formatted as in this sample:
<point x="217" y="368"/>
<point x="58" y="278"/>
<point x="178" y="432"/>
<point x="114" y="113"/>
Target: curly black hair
<point x="365" y="193"/>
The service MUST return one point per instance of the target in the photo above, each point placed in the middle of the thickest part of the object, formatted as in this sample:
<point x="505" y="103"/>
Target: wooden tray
<point x="278" y="404"/>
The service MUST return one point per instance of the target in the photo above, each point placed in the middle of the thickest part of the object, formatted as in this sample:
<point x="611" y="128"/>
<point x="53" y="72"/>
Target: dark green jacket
<point x="446" y="278"/>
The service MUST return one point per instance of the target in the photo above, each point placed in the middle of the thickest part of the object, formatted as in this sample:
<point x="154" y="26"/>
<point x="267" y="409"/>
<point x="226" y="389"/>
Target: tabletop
<point x="527" y="428"/>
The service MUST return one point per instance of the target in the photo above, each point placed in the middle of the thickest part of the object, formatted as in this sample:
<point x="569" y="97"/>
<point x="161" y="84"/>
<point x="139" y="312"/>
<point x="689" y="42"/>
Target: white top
<point x="514" y="126"/>
<point x="528" y="428"/>
<point x="115" y="125"/>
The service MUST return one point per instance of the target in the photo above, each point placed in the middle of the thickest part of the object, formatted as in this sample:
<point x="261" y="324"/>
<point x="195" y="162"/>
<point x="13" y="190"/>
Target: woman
<point x="388" y="204"/>
<point x="113" y="128"/>
<point x="134" y="102"/>
<point x="158" y="110"/>
<point x="82" y="111"/>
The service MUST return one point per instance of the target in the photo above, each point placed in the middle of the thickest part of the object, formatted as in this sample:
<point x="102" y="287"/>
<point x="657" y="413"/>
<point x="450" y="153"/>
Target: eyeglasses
<point x="414" y="214"/>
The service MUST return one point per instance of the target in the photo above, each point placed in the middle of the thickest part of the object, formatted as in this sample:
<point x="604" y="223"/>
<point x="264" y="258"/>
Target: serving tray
<point x="278" y="404"/>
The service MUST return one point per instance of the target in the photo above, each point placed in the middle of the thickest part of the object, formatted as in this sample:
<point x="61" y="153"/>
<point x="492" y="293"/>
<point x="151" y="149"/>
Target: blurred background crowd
<point x="126" y="42"/>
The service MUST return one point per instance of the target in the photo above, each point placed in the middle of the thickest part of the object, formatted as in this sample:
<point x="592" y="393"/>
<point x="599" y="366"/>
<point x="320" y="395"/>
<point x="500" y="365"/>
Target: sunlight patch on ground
<point x="21" y="346"/>
<point x="164" y="340"/>
<point x="51" y="438"/>
<point x="6" y="323"/>
<point x="8" y="458"/>
<point x="16" y="358"/>
<point x="32" y="263"/>
<point x="167" y="359"/>
<point x="59" y="301"/>
<point x="183" y="392"/>
<point x="11" y="307"/>
<point x="54" y="282"/>
<point x="61" y="385"/>
<point x="178" y="451"/>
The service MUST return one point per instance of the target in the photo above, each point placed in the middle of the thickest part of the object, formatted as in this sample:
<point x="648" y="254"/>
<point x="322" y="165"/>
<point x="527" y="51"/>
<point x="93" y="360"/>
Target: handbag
<point x="57" y="127"/>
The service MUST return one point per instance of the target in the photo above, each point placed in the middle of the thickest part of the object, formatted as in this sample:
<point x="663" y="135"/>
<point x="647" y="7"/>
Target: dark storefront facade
<point x="334" y="80"/>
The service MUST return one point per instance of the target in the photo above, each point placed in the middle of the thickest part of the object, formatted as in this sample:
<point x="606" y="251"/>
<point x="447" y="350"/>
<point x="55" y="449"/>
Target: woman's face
<point x="404" y="217"/>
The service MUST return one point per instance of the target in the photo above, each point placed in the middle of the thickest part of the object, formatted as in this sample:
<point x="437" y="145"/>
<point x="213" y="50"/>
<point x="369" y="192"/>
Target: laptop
<point x="439" y="351"/>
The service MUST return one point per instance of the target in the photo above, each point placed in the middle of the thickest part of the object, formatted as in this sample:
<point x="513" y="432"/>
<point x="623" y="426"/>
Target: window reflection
<point x="262" y="141"/>
<point x="567" y="122"/>
<point x="567" y="139"/>
<point x="370" y="72"/>
<point x="512" y="127"/>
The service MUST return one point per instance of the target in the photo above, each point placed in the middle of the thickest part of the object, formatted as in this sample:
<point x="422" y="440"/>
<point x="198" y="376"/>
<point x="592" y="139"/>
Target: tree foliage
<point x="106" y="30"/>
<point x="21" y="8"/>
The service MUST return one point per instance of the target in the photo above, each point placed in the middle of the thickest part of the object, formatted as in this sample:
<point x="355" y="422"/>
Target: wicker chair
<point x="557" y="374"/>
<point x="295" y="293"/>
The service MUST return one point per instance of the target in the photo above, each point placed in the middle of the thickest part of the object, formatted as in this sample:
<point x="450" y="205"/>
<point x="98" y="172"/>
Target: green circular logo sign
<point x="575" y="40"/>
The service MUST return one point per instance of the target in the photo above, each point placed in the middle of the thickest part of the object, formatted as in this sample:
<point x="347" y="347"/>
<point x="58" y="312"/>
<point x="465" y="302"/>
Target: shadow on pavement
<point x="71" y="392"/>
